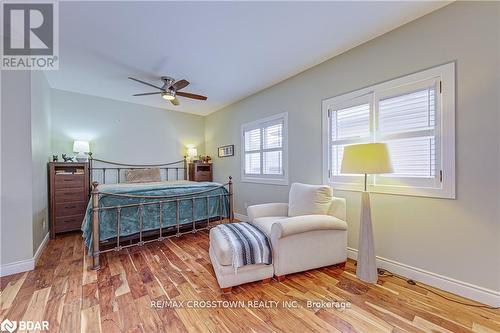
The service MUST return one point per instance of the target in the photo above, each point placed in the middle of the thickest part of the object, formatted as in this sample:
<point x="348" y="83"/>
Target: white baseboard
<point x="464" y="289"/>
<point x="17" y="267"/>
<point x="24" y="265"/>
<point x="41" y="247"/>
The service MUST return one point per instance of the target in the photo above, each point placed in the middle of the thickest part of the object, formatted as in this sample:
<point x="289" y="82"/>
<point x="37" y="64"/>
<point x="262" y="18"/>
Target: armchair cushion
<point x="301" y="224"/>
<point x="338" y="208"/>
<point x="309" y="199"/>
<point x="270" y="209"/>
<point x="265" y="223"/>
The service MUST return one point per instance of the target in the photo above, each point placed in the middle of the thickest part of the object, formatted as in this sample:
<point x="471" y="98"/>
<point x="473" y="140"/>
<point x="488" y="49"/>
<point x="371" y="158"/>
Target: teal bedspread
<point x="129" y="219"/>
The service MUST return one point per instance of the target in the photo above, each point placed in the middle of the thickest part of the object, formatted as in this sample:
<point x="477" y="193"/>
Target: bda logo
<point x="8" y="325"/>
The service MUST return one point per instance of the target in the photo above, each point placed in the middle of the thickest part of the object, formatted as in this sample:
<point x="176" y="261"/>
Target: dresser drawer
<point x="72" y="194"/>
<point x="204" y="176"/>
<point x="70" y="208"/>
<point x="69" y="181"/>
<point x="69" y="223"/>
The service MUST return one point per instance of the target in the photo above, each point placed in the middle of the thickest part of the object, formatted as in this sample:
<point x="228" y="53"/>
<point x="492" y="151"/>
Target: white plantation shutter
<point x="252" y="163"/>
<point x="348" y="125"/>
<point x="272" y="163"/>
<point x="407" y="123"/>
<point x="252" y="140"/>
<point x="351" y="123"/>
<point x="264" y="148"/>
<point x="414" y="115"/>
<point x="272" y="149"/>
<point x="273" y="136"/>
<point x="411" y="111"/>
<point x="413" y="157"/>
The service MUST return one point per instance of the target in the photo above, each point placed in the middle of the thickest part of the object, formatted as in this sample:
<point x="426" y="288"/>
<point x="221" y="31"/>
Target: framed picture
<point x="226" y="151"/>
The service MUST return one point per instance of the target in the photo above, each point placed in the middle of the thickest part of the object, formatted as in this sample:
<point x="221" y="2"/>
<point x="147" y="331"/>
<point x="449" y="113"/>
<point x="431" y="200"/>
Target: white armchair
<point x="308" y="232"/>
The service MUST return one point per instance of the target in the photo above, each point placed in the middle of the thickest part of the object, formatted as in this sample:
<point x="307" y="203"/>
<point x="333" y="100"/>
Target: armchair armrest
<point x="300" y="224"/>
<point x="338" y="208"/>
<point x="270" y="209"/>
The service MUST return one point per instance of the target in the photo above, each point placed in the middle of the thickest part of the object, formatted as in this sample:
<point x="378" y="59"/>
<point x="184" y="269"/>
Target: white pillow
<point x="309" y="199"/>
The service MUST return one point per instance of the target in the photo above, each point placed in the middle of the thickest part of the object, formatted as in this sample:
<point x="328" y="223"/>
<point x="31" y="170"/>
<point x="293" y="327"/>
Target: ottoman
<point x="227" y="276"/>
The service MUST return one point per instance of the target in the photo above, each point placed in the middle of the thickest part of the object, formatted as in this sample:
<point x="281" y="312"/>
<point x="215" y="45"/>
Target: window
<point x="415" y="116"/>
<point x="264" y="155"/>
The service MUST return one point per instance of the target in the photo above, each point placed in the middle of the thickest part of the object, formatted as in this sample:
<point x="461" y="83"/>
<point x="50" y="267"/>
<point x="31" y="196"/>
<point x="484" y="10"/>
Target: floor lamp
<point x="369" y="158"/>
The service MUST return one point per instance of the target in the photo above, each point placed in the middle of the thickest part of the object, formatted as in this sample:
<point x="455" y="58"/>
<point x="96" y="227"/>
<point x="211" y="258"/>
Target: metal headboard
<point x="117" y="167"/>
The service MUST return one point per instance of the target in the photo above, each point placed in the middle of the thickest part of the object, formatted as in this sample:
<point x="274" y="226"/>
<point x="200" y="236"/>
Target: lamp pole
<point x="366" y="269"/>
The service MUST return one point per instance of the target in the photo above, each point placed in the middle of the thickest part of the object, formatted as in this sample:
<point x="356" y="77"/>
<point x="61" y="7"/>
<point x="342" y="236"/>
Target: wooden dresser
<point x="200" y="172"/>
<point x="68" y="196"/>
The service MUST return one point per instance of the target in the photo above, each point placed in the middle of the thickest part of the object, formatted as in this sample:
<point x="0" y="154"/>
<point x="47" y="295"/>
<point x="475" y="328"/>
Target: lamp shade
<point x="192" y="152"/>
<point x="368" y="158"/>
<point x="81" y="146"/>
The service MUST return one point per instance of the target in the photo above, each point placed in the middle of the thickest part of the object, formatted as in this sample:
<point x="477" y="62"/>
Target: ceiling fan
<point x="170" y="89"/>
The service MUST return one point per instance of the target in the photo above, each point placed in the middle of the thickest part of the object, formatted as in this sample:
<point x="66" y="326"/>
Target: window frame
<point x="444" y="75"/>
<point x="272" y="179"/>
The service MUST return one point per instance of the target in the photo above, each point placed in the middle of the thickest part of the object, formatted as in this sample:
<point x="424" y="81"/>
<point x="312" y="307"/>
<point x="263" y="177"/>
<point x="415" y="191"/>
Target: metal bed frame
<point x="157" y="200"/>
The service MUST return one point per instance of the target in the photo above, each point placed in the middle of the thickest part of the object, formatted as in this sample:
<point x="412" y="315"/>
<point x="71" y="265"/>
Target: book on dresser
<point x="68" y="196"/>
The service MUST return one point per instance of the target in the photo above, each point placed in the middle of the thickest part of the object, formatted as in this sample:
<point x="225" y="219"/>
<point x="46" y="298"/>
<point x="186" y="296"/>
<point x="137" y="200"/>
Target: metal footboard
<point x="160" y="201"/>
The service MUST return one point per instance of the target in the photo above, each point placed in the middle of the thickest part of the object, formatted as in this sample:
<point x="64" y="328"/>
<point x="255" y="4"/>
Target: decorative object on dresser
<point x="68" y="195"/>
<point x="200" y="172"/>
<point x="67" y="158"/>
<point x="204" y="159"/>
<point x="367" y="158"/>
<point x="226" y="151"/>
<point x="81" y="148"/>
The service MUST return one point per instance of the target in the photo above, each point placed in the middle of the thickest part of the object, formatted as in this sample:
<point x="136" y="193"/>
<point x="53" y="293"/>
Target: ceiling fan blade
<point x="144" y="94"/>
<point x="148" y="84"/>
<point x="193" y="96"/>
<point x="178" y="85"/>
<point x="175" y="101"/>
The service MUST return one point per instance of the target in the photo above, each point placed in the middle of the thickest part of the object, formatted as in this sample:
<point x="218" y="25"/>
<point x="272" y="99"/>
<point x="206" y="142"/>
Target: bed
<point x="120" y="214"/>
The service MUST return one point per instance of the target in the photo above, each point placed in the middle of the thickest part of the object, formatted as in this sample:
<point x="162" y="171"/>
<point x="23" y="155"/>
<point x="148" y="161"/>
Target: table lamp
<point x="192" y="152"/>
<point x="81" y="148"/>
<point x="369" y="158"/>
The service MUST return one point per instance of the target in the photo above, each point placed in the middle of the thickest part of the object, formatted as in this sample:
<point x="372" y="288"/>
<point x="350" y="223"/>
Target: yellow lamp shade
<point x="368" y="158"/>
<point x="192" y="152"/>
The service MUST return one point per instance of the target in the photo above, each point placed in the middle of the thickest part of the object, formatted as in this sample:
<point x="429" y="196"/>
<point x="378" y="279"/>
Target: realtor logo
<point x="30" y="35"/>
<point x="8" y="326"/>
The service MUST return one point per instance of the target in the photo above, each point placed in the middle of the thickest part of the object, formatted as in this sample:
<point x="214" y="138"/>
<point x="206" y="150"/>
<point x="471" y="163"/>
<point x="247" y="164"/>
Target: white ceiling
<point x="227" y="50"/>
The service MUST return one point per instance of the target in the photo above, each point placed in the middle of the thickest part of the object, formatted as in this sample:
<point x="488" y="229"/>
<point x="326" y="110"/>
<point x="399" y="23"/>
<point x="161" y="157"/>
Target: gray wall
<point x="121" y="131"/>
<point x="16" y="168"/>
<point x="40" y="151"/>
<point x="455" y="238"/>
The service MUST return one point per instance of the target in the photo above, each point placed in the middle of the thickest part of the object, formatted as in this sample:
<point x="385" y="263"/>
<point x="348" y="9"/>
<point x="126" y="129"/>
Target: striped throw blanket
<point x="248" y="243"/>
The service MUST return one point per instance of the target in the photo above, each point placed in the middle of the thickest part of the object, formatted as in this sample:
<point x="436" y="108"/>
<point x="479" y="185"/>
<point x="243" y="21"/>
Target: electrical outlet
<point x="44" y="223"/>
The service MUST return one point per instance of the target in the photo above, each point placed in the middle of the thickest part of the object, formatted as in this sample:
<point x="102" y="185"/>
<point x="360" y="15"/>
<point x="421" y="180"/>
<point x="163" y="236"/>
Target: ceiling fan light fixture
<point x="168" y="95"/>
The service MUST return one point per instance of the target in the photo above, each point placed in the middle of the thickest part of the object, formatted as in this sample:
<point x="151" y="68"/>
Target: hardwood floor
<point x="63" y="290"/>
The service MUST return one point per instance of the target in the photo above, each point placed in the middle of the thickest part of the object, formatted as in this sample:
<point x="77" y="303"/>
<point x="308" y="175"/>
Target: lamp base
<point x="82" y="158"/>
<point x="366" y="269"/>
